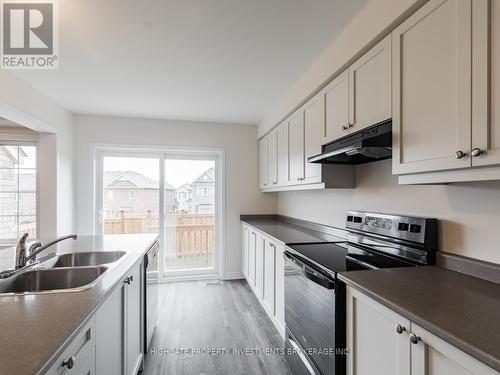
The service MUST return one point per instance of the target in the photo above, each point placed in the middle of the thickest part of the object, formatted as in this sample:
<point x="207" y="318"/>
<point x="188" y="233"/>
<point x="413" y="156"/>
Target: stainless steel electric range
<point x="315" y="299"/>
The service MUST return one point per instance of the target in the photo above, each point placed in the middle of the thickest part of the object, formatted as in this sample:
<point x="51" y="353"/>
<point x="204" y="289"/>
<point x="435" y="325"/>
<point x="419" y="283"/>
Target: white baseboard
<point x="171" y="279"/>
<point x="233" y="276"/>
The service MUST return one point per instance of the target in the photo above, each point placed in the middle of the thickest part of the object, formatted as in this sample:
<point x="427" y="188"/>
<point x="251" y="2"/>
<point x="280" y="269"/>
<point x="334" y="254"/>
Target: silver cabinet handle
<point x="400" y="329"/>
<point x="414" y="338"/>
<point x="476" y="152"/>
<point x="460" y="154"/>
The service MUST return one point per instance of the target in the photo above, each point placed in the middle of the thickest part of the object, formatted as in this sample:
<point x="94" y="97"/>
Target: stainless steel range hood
<point x="371" y="144"/>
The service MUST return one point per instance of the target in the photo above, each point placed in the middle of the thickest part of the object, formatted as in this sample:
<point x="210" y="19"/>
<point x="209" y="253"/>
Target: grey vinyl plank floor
<point x="193" y="318"/>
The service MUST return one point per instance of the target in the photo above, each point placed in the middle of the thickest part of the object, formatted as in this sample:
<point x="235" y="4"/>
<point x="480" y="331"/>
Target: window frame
<point x="25" y="140"/>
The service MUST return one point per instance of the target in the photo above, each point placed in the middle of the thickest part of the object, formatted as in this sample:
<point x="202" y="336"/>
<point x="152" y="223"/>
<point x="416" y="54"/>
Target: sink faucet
<point x="22" y="258"/>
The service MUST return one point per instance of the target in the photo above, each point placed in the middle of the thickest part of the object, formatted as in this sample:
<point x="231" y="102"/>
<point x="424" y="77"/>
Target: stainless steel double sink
<point x="61" y="273"/>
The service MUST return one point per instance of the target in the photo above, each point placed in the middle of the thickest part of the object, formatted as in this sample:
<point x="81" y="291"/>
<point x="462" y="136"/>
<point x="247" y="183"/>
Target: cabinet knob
<point x="460" y="154"/>
<point x="69" y="363"/>
<point x="476" y="152"/>
<point x="414" y="338"/>
<point x="350" y="126"/>
<point x="400" y="329"/>
<point x="128" y="280"/>
<point x="344" y="127"/>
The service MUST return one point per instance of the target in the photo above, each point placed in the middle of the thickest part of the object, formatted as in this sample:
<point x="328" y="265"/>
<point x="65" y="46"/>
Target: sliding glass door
<point x="190" y="210"/>
<point x="177" y="195"/>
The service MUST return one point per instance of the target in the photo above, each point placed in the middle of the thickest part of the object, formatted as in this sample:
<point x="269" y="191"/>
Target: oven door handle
<point x="309" y="273"/>
<point x="301" y="355"/>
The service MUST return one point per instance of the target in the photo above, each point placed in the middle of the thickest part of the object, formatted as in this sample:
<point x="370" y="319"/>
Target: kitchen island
<point x="35" y="329"/>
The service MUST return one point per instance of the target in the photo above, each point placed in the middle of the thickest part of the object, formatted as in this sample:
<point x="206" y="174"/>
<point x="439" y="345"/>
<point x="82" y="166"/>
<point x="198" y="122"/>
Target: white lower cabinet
<point x="252" y="245"/>
<point x="382" y="342"/>
<point x="133" y="319"/>
<point x="259" y="265"/>
<point x="244" y="248"/>
<point x="111" y="342"/>
<point x="266" y="279"/>
<point x="79" y="356"/>
<point x="279" y="287"/>
<point x="119" y="327"/>
<point x="110" y="324"/>
<point x="269" y="276"/>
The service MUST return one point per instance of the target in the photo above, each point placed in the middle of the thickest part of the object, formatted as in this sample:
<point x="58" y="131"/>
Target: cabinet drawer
<point x="81" y="352"/>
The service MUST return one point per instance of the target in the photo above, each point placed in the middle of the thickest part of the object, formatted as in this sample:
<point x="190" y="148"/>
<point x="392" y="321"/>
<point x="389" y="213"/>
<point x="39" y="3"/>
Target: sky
<point x="177" y="172"/>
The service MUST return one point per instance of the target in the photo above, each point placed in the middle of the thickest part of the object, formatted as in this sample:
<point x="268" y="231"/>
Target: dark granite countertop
<point x="35" y="328"/>
<point x="461" y="309"/>
<point x="288" y="232"/>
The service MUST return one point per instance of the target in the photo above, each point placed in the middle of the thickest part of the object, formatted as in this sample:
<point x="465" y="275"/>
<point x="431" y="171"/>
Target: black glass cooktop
<point x="329" y="255"/>
<point x="340" y="257"/>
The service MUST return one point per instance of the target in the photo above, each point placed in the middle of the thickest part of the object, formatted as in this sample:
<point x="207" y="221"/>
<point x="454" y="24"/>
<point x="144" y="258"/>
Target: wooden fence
<point x="189" y="234"/>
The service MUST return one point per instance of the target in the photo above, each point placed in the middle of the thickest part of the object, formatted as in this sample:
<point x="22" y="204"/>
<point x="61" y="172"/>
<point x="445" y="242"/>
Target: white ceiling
<point x="207" y="60"/>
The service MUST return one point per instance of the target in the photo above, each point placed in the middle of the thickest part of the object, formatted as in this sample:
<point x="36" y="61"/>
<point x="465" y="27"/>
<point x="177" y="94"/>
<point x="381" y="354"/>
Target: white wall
<point x="469" y="213"/>
<point x="241" y="161"/>
<point x="371" y="24"/>
<point x="22" y="103"/>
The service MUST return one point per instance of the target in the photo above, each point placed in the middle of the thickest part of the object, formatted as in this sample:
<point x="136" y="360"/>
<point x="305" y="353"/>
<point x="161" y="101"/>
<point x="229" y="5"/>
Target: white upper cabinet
<point x="336" y="107"/>
<point x="432" y="88"/>
<point x="296" y="129"/>
<point x="272" y="158"/>
<point x="283" y="162"/>
<point x="486" y="83"/>
<point x="370" y="87"/>
<point x="263" y="163"/>
<point x="313" y="125"/>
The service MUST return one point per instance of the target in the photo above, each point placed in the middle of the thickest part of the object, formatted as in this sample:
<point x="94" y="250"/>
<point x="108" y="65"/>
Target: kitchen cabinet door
<point x="374" y="345"/>
<point x="370" y="87"/>
<point x="110" y="334"/>
<point x="486" y="83"/>
<point x="279" y="287"/>
<point x="296" y="129"/>
<point x="133" y="319"/>
<point x="259" y="265"/>
<point x="272" y="158"/>
<point x="313" y="117"/>
<point x="244" y="250"/>
<point x="269" y="277"/>
<point x="432" y="88"/>
<point x="79" y="354"/>
<point x="283" y="156"/>
<point x="263" y="163"/>
<point x="252" y="244"/>
<point x="336" y="105"/>
<point x="433" y="356"/>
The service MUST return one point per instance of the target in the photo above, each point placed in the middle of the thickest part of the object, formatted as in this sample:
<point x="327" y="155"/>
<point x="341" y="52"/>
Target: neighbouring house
<point x="18" y="209"/>
<point x="203" y="192"/>
<point x="183" y="198"/>
<point x="133" y="193"/>
<point x="197" y="197"/>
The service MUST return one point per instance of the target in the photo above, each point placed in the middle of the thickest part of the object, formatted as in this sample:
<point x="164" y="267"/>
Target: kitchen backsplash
<point x="468" y="212"/>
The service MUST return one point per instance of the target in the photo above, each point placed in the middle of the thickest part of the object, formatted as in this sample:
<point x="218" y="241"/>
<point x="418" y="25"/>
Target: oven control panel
<point x="410" y="228"/>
